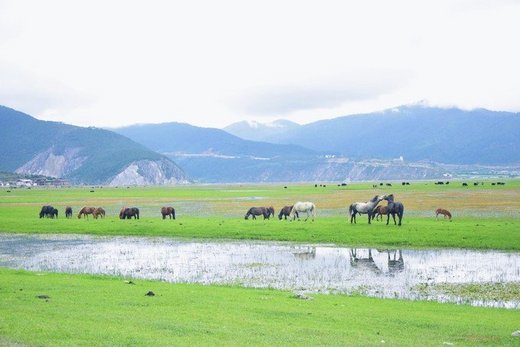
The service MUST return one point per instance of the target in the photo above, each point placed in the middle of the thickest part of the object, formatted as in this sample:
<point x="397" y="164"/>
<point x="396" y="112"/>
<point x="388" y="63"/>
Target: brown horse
<point x="99" y="212"/>
<point x="85" y="211"/>
<point x="129" y="212"/>
<point x="285" y="211"/>
<point x="259" y="211"/>
<point x="379" y="211"/>
<point x="444" y="212"/>
<point x="168" y="211"/>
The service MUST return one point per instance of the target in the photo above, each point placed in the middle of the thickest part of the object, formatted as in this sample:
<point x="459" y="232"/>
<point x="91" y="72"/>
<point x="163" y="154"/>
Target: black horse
<point x="49" y="212"/>
<point x="129" y="212"/>
<point x="393" y="209"/>
<point x="285" y="211"/>
<point x="68" y="212"/>
<point x="259" y="211"/>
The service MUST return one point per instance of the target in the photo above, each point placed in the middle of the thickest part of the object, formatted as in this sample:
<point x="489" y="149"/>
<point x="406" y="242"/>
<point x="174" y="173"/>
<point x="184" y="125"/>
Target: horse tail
<point x="313" y="210"/>
<point x="350" y="209"/>
<point x="173" y="213"/>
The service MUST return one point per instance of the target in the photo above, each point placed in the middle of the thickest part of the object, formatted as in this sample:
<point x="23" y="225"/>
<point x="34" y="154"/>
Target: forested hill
<point x="82" y="155"/>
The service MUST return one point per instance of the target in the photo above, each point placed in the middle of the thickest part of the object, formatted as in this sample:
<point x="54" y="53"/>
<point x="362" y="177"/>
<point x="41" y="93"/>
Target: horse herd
<point x="292" y="211"/>
<point x="98" y="212"/>
<point x="370" y="208"/>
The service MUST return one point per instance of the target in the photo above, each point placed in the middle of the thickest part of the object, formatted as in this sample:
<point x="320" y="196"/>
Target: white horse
<point x="307" y="207"/>
<point x="364" y="207"/>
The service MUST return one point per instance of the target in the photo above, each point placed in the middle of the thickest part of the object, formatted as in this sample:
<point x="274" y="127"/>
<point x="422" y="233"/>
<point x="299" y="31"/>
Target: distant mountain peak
<point x="260" y="131"/>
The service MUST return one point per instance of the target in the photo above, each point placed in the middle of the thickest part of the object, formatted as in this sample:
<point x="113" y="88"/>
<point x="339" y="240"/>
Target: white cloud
<point x="210" y="63"/>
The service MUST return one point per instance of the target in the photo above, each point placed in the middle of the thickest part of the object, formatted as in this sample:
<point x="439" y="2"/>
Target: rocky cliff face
<point x="48" y="163"/>
<point x="140" y="172"/>
<point x="147" y="172"/>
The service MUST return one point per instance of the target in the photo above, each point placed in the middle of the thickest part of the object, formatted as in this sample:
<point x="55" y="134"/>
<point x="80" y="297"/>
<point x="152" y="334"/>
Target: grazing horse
<point x="444" y="212"/>
<point x="364" y="207"/>
<point x="54" y="213"/>
<point x="258" y="211"/>
<point x="305" y="206"/>
<point x="68" y="212"/>
<point x="285" y="211"/>
<point x="85" y="211"/>
<point x="379" y="211"/>
<point x="47" y="211"/>
<point x="393" y="209"/>
<point x="168" y="211"/>
<point x="129" y="212"/>
<point x="99" y="212"/>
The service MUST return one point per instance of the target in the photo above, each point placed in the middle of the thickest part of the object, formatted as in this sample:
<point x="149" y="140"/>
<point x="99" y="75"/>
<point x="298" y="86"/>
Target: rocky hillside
<point x="80" y="155"/>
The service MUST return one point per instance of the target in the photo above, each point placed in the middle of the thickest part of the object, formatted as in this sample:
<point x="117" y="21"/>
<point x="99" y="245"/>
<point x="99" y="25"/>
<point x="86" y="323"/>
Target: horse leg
<point x="369" y="216"/>
<point x="387" y="218"/>
<point x="393" y="216"/>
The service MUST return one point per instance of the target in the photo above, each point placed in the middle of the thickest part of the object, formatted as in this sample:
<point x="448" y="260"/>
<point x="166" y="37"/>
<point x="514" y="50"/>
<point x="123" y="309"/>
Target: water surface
<point x="288" y="266"/>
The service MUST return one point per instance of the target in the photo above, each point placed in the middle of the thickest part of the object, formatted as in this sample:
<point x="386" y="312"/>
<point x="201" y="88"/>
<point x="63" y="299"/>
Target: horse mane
<point x="390" y="198"/>
<point x="374" y="199"/>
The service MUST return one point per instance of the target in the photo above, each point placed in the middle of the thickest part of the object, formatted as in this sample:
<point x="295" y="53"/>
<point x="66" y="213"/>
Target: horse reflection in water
<point x="304" y="253"/>
<point x="395" y="265"/>
<point x="363" y="264"/>
<point x="395" y="261"/>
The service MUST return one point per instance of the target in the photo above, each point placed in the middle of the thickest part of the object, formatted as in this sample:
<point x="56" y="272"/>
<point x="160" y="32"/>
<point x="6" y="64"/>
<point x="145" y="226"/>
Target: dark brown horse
<point x="285" y="211"/>
<point x="68" y="212"/>
<point x="99" y="212"/>
<point x="444" y="212"/>
<point x="85" y="211"/>
<point x="49" y="212"/>
<point x="259" y="211"/>
<point x="129" y="212"/>
<point x="394" y="208"/>
<point x="168" y="211"/>
<point x="379" y="211"/>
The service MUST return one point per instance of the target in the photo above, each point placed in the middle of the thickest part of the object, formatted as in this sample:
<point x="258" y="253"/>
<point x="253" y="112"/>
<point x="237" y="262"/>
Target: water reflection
<point x="311" y="268"/>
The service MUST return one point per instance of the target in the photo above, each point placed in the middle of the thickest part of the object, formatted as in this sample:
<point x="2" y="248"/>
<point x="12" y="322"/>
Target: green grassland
<point x="105" y="311"/>
<point x="485" y="217"/>
<point x="101" y="310"/>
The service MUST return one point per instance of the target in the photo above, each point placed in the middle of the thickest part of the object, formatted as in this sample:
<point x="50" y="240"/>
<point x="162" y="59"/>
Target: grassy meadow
<point x="80" y="310"/>
<point x="101" y="310"/>
<point x="484" y="217"/>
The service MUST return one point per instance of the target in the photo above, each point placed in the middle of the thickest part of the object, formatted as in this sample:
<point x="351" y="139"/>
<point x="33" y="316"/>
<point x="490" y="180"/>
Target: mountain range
<point x="450" y="135"/>
<point x="80" y="155"/>
<point x="408" y="142"/>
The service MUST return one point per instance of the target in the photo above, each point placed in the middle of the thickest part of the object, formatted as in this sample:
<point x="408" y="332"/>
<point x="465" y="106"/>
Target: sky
<point x="212" y="63"/>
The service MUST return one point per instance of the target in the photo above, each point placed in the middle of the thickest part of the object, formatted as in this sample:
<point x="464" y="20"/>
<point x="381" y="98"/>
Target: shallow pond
<point x="305" y="268"/>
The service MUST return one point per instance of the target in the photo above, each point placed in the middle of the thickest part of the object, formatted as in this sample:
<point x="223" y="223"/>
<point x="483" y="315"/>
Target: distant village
<point x="18" y="181"/>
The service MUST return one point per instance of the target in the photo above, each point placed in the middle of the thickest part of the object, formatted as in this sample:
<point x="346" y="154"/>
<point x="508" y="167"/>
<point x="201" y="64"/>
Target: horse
<point x="393" y="209"/>
<point x="379" y="211"/>
<point x="168" y="211"/>
<point x="47" y="211"/>
<point x="54" y="213"/>
<point x="257" y="211"/>
<point x="99" y="212"/>
<point x="68" y="212"/>
<point x="85" y="211"/>
<point x="299" y="207"/>
<point x="363" y="207"/>
<point x="129" y="212"/>
<point x="444" y="212"/>
<point x="285" y="211"/>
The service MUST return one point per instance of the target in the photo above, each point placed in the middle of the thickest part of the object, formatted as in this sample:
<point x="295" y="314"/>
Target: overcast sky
<point x="211" y="63"/>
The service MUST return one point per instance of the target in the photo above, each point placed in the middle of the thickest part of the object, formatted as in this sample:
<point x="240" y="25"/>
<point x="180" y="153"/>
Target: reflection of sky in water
<point x="278" y="265"/>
